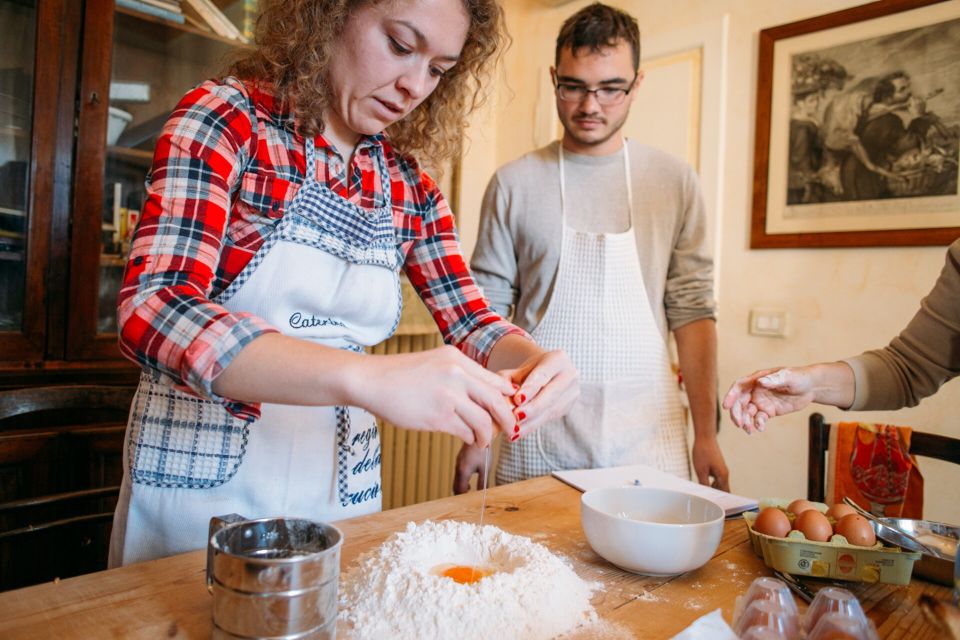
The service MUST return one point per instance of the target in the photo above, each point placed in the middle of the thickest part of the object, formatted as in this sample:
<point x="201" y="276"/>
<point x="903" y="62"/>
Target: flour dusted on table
<point x="395" y="591"/>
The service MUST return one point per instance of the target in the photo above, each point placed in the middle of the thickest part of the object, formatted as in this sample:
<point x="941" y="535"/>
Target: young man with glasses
<point x="597" y="246"/>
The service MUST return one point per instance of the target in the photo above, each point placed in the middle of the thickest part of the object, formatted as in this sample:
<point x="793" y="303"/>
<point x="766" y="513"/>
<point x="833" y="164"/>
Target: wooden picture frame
<point x="832" y="168"/>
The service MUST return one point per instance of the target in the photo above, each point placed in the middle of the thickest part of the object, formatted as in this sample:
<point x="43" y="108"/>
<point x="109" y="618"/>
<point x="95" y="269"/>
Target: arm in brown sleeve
<point x="923" y="357"/>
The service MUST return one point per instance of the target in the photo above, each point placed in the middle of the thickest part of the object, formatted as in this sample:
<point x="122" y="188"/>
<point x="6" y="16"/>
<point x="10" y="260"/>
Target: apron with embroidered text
<point x="328" y="274"/>
<point x="629" y="410"/>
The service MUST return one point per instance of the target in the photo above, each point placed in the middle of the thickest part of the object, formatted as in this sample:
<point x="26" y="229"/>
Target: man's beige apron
<point x="629" y="410"/>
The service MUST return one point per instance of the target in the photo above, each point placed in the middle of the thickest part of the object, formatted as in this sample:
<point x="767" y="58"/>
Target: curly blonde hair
<point x="294" y="42"/>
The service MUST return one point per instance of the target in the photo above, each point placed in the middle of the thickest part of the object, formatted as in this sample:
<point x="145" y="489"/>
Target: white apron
<point x="329" y="274"/>
<point x="629" y="410"/>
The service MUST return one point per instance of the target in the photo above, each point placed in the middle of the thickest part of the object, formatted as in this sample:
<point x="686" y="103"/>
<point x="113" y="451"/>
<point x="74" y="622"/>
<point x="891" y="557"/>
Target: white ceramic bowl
<point x="655" y="532"/>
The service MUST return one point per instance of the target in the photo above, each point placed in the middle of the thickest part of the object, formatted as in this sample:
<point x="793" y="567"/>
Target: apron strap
<point x="563" y="199"/>
<point x="379" y="160"/>
<point x="310" y="161"/>
<point x="343" y="449"/>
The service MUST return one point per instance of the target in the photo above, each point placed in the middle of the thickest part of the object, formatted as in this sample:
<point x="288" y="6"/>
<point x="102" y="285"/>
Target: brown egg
<point x="772" y="522"/>
<point x="814" y="525"/>
<point x="839" y="510"/>
<point x="800" y="505"/>
<point x="857" y="530"/>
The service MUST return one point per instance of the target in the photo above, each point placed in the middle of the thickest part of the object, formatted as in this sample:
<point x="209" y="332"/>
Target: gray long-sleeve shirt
<point x="518" y="247"/>
<point x="923" y="357"/>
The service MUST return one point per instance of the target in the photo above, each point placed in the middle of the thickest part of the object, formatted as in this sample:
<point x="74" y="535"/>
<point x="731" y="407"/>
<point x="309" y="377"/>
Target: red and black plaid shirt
<point x="226" y="166"/>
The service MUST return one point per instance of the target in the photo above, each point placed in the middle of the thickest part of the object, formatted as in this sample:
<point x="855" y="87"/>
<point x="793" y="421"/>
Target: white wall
<point x="840" y="301"/>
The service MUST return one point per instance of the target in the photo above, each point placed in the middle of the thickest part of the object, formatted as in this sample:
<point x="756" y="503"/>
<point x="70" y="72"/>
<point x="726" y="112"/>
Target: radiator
<point x="417" y="465"/>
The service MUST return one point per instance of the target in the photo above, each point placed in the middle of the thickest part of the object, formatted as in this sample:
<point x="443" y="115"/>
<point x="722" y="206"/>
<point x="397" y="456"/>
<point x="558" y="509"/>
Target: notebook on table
<point x="645" y="476"/>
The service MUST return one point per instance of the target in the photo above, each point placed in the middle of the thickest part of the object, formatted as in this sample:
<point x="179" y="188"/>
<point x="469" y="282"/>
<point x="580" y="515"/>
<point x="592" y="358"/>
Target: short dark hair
<point x="885" y="89"/>
<point x="598" y="26"/>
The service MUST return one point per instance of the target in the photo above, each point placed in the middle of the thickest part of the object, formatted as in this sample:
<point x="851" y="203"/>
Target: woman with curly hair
<point x="283" y="201"/>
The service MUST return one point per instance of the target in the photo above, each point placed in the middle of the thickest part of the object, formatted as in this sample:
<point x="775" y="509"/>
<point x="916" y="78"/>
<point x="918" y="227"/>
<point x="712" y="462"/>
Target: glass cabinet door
<point x="17" y="51"/>
<point x="160" y="50"/>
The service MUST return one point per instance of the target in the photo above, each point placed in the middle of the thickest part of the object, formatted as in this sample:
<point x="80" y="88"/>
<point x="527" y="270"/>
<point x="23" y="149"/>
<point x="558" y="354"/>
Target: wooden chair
<point x="928" y="445"/>
<point x="60" y="470"/>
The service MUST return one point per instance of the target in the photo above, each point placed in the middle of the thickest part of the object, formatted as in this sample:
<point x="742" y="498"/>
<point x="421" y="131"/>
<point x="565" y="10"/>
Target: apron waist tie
<point x="343" y="449"/>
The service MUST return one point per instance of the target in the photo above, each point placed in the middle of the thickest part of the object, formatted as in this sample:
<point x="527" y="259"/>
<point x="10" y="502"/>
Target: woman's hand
<point x="549" y="385"/>
<point x="436" y="390"/>
<point x="754" y="399"/>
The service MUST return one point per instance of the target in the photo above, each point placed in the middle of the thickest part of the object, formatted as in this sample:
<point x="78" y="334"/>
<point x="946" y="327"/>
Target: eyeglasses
<point x="606" y="96"/>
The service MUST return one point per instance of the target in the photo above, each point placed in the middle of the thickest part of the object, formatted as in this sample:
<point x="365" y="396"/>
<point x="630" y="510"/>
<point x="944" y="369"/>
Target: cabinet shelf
<point x="112" y="260"/>
<point x="140" y="156"/>
<point x="173" y="27"/>
<point x="18" y="213"/>
<point x="15" y="132"/>
<point x="11" y="256"/>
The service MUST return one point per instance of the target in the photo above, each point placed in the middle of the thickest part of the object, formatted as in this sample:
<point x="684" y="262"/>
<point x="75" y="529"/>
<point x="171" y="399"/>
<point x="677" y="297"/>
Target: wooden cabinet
<point x="84" y="88"/>
<point x="61" y="465"/>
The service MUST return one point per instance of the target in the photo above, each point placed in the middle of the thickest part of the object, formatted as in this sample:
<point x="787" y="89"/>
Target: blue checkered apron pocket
<point x="180" y="440"/>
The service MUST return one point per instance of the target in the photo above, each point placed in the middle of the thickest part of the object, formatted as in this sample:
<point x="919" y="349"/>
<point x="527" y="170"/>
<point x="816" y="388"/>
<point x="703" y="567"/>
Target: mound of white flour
<point x="532" y="594"/>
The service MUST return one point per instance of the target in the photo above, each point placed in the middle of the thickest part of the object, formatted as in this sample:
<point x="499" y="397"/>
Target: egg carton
<point x="836" y="559"/>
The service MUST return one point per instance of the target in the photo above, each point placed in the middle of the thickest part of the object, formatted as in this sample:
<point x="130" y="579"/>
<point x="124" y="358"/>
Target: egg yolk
<point x="464" y="574"/>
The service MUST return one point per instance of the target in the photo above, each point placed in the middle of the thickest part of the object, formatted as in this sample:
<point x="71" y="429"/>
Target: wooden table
<point x="167" y="598"/>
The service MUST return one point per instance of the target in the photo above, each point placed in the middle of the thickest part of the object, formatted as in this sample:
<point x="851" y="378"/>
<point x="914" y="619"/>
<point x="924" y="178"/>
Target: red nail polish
<point x="516" y="428"/>
<point x="515" y="437"/>
<point x="523" y="398"/>
<point x="521" y="415"/>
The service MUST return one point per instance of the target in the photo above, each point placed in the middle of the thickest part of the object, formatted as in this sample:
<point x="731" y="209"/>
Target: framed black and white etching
<point x="857" y="130"/>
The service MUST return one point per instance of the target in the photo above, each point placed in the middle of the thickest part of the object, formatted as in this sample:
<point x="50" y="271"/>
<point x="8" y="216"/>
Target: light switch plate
<point x="771" y="323"/>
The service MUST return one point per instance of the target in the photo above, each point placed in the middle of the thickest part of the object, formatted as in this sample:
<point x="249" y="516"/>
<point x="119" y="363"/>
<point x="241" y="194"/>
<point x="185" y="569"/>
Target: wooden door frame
<point x="82" y="339"/>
